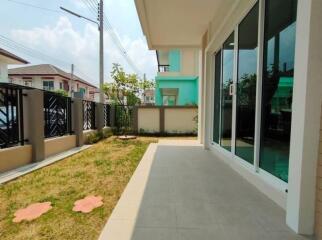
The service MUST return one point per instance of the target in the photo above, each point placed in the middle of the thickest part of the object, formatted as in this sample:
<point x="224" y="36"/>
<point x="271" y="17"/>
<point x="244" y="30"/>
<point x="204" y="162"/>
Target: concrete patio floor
<point x="182" y="192"/>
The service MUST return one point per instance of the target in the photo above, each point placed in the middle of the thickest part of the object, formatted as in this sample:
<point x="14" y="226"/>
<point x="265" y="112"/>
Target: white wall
<point x="3" y="72"/>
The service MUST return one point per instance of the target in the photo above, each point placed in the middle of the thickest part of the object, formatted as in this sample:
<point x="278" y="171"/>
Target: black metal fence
<point x="107" y="115"/>
<point x="124" y="118"/>
<point x="57" y="115"/>
<point x="89" y="115"/>
<point x="11" y="115"/>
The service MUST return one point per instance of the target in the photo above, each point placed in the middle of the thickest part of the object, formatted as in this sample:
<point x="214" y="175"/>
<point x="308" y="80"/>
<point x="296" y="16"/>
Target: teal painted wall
<point x="175" y="60"/>
<point x="187" y="89"/>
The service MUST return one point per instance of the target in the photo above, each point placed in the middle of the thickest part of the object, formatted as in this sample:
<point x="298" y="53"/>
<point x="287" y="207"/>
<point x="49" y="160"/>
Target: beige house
<point x="260" y="91"/>
<point x="52" y="78"/>
<point x="148" y="97"/>
<point x="7" y="58"/>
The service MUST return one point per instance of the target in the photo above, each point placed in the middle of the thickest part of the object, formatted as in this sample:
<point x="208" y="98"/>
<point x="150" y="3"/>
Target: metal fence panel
<point x="57" y="115"/>
<point x="89" y="115"/>
<point x="11" y="116"/>
<point x="107" y="115"/>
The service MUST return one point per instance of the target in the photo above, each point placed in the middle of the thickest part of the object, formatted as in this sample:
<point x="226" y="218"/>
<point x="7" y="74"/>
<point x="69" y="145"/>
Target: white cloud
<point x="62" y="41"/>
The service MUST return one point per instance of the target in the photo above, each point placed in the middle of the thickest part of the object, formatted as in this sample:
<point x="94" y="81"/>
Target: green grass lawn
<point x="103" y="170"/>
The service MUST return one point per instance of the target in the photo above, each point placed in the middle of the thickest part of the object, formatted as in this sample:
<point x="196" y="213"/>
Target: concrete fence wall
<point x="37" y="147"/>
<point x="166" y="120"/>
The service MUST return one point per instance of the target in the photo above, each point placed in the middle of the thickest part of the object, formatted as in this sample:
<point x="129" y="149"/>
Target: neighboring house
<point x="148" y="97"/>
<point x="51" y="78"/>
<point x="177" y="80"/>
<point x="260" y="93"/>
<point x="7" y="58"/>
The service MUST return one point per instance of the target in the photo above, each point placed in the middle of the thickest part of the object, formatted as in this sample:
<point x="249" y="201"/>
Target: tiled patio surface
<point x="181" y="192"/>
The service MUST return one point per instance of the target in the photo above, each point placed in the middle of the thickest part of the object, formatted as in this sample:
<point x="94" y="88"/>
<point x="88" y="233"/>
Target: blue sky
<point x="73" y="40"/>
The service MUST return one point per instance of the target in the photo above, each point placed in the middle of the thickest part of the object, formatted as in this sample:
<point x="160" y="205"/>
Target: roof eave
<point x="141" y="10"/>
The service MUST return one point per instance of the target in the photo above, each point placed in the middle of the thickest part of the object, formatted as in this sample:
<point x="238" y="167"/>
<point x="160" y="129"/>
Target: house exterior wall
<point x="187" y="89"/>
<point x="183" y="75"/>
<point x="299" y="202"/>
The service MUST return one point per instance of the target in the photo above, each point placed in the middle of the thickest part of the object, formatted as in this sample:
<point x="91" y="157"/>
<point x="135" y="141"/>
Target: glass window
<point x="216" y="122"/>
<point x="169" y="100"/>
<point x="48" y="85"/>
<point x="246" y="85"/>
<point x="226" y="97"/>
<point x="278" y="72"/>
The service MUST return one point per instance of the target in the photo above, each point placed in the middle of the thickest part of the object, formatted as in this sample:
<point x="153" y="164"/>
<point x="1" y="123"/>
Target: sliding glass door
<point x="240" y="76"/>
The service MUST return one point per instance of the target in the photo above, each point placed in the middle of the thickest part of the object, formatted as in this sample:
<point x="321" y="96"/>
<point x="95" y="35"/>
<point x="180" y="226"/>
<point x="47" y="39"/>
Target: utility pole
<point x="100" y="23"/>
<point x="101" y="49"/>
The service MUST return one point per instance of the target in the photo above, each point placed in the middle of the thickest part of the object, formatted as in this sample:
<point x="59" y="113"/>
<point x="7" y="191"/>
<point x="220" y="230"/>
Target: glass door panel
<point x="278" y="73"/>
<point x="226" y="96"/>
<point x="246" y="86"/>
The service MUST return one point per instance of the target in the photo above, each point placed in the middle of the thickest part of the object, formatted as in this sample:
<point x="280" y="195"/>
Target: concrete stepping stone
<point x="88" y="204"/>
<point x="32" y="212"/>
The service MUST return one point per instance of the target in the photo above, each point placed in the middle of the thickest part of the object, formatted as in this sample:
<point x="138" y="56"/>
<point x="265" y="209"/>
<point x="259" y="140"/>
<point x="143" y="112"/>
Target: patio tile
<point x="213" y="233"/>
<point x="154" y="233"/>
<point x="152" y="215"/>
<point x="187" y="193"/>
<point x="193" y="214"/>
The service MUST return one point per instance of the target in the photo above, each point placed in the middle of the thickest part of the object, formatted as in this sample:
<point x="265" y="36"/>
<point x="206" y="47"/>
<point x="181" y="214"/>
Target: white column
<point x="200" y="100"/>
<point x="207" y="100"/>
<point x="307" y="98"/>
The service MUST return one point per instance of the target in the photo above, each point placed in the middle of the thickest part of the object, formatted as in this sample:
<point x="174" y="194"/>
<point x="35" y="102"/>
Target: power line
<point x="108" y="27"/>
<point x="34" y="6"/>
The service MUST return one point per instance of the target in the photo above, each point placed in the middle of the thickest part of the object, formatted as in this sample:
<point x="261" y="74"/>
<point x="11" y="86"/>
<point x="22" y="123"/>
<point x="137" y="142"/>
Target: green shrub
<point x="95" y="137"/>
<point x="107" y="132"/>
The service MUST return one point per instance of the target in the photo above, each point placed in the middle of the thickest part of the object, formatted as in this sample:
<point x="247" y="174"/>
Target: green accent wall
<point x="187" y="89"/>
<point x="175" y="60"/>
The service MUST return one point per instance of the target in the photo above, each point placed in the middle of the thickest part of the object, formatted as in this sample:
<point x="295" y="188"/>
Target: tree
<point x="125" y="87"/>
<point x="124" y="92"/>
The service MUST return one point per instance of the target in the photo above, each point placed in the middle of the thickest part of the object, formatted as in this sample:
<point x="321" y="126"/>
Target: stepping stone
<point x="32" y="212"/>
<point x="88" y="204"/>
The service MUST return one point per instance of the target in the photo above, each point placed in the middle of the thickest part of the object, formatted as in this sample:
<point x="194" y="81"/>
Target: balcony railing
<point x="57" y="115"/>
<point x="11" y="115"/>
<point x="164" y="68"/>
<point x="89" y="115"/>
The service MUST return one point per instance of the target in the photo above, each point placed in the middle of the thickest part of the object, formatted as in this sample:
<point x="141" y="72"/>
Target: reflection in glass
<point x="226" y="99"/>
<point x="246" y="85"/>
<point x="217" y="97"/>
<point x="279" y="48"/>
